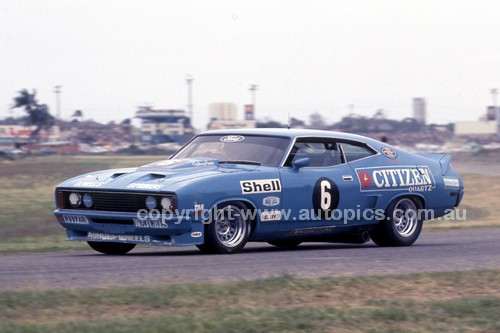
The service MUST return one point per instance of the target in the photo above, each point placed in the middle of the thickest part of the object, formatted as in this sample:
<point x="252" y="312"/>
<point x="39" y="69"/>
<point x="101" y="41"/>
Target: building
<point x="249" y="112"/>
<point x="231" y="124"/>
<point x="223" y="111"/>
<point x="475" y="127"/>
<point x="223" y="115"/>
<point x="419" y="110"/>
<point x="164" y="126"/>
<point x="59" y="147"/>
<point x="17" y="135"/>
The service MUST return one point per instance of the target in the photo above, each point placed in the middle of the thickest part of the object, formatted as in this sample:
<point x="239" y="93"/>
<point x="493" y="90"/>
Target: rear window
<point x="355" y="152"/>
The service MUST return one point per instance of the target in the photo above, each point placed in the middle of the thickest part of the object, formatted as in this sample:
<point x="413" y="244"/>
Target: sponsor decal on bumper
<point x="75" y="219"/>
<point x="122" y="238"/>
<point x="150" y="223"/>
<point x="196" y="234"/>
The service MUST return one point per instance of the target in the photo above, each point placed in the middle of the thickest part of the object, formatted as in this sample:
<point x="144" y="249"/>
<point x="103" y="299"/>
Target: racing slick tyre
<point x="401" y="226"/>
<point x="228" y="230"/>
<point x="111" y="248"/>
<point x="286" y="244"/>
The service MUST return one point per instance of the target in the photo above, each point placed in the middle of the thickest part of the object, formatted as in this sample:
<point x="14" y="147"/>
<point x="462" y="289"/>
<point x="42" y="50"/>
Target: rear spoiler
<point x="443" y="159"/>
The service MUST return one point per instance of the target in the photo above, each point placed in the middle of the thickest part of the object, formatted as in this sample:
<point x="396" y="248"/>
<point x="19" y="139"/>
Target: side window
<point x="355" y="152"/>
<point x="321" y="153"/>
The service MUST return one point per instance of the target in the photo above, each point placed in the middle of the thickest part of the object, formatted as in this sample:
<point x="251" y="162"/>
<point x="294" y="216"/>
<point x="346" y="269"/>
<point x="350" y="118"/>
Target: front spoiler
<point x="180" y="231"/>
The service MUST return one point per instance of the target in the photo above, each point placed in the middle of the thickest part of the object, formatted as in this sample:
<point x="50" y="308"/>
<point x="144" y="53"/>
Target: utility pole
<point x="253" y="90"/>
<point x="189" y="82"/>
<point x="494" y="93"/>
<point x="57" y="91"/>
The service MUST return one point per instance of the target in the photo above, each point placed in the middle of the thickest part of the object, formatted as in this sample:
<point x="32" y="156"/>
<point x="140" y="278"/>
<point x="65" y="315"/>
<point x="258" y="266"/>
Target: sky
<point x="305" y="56"/>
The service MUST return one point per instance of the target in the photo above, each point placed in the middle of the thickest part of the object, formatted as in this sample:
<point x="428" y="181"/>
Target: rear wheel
<point x="111" y="248"/>
<point x="286" y="244"/>
<point x="401" y="226"/>
<point x="227" y="231"/>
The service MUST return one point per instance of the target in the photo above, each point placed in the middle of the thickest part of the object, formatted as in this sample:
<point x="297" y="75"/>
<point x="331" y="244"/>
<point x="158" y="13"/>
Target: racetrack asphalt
<point x="433" y="252"/>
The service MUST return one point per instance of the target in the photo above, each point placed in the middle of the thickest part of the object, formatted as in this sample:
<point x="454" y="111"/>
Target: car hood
<point x="157" y="176"/>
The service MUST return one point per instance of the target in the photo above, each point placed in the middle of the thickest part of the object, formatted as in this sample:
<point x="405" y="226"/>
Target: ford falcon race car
<point x="226" y="188"/>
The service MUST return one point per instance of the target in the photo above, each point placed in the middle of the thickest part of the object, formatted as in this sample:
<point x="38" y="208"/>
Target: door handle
<point x="347" y="178"/>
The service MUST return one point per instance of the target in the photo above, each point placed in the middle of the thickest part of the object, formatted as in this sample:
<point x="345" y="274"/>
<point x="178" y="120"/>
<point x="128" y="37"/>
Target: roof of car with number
<point x="293" y="133"/>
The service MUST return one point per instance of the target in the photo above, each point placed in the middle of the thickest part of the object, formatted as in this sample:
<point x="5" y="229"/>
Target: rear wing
<point x="443" y="159"/>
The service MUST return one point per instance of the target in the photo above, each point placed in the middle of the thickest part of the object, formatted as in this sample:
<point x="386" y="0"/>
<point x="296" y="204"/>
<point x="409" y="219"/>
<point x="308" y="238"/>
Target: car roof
<point x="293" y="133"/>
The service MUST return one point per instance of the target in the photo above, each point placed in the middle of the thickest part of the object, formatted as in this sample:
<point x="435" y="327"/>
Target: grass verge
<point x="31" y="244"/>
<point x="452" y="301"/>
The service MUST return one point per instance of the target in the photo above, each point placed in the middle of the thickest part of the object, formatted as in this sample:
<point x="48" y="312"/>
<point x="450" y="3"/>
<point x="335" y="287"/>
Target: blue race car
<point x="226" y="188"/>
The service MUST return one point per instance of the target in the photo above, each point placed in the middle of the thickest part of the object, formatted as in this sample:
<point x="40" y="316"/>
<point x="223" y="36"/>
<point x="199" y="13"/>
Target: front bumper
<point x="127" y="228"/>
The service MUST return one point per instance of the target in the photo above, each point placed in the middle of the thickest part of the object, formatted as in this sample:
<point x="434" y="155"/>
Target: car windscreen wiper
<point x="241" y="162"/>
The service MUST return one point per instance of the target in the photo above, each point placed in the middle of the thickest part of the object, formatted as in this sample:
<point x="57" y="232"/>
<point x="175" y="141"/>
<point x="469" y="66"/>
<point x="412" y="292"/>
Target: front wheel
<point x="111" y="248"/>
<point x="401" y="226"/>
<point x="228" y="230"/>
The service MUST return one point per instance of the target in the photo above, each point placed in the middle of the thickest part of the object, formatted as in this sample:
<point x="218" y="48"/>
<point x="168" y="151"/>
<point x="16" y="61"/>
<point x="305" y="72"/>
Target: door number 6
<point x="326" y="197"/>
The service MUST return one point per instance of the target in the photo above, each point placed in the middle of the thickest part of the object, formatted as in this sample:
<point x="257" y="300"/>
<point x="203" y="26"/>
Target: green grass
<point x="42" y="243"/>
<point x="27" y="199"/>
<point x="449" y="302"/>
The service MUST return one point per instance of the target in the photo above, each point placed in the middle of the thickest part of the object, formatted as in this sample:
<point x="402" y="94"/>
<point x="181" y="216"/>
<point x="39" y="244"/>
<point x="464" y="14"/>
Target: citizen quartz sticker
<point x="409" y="178"/>
<point x="260" y="186"/>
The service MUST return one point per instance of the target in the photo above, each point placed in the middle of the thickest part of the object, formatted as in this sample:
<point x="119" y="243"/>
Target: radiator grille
<point x="115" y="201"/>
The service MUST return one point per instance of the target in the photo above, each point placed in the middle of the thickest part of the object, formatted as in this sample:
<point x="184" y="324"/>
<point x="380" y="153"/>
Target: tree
<point x="78" y="114"/>
<point x="317" y="121"/>
<point x="38" y="114"/>
<point x="297" y="123"/>
<point x="268" y="123"/>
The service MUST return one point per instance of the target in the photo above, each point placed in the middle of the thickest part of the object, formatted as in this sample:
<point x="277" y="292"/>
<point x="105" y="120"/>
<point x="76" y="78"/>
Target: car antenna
<point x="289" y="121"/>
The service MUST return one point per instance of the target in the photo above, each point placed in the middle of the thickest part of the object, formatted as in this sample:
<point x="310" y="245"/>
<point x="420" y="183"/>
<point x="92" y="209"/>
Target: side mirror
<point x="300" y="163"/>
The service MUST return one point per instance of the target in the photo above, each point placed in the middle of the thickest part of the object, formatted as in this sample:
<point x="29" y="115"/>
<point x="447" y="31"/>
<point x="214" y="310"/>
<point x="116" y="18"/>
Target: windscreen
<point x="262" y="150"/>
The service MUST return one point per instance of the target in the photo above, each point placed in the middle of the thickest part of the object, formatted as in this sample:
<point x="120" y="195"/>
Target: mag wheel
<point x="402" y="225"/>
<point x="227" y="231"/>
<point x="286" y="244"/>
<point x="111" y="248"/>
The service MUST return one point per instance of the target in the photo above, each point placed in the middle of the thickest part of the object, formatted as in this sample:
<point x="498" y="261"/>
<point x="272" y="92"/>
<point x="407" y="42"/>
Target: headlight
<point x="75" y="199"/>
<point x="166" y="203"/>
<point x="87" y="200"/>
<point x="150" y="202"/>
